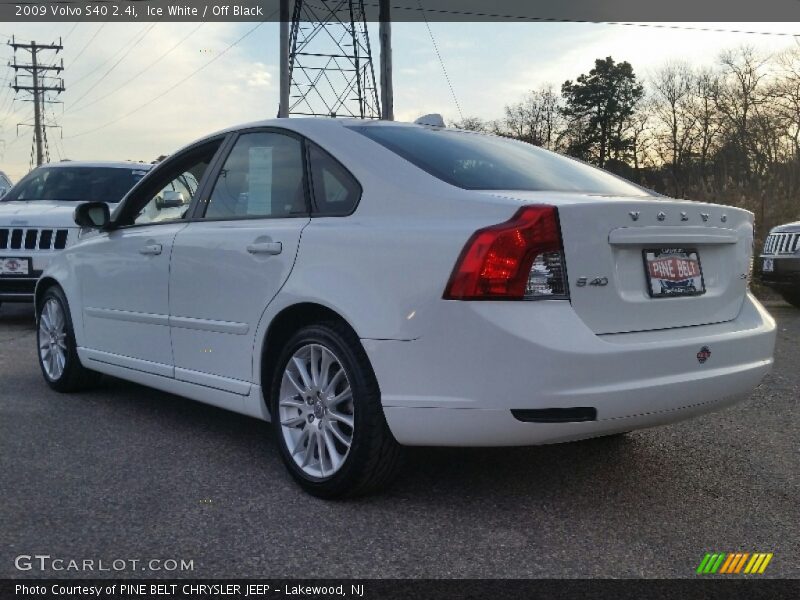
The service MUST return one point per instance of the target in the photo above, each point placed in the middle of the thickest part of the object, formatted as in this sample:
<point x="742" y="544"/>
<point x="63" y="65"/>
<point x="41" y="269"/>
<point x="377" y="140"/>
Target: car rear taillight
<point x="521" y="259"/>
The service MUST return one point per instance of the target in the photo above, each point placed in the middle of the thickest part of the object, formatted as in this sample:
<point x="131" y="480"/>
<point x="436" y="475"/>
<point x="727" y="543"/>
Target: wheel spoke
<point x="58" y="318"/>
<point x="52" y="360"/>
<point x="342" y="418"/>
<point x="309" y="448"/>
<point x="314" y="357"/>
<point x="300" y="365"/>
<point x="321" y="452"/>
<point x="334" y="429"/>
<point x="333" y="453"/>
<point x="324" y="370"/>
<point x="294" y="421"/>
<point x="299" y="445"/>
<point x="295" y="384"/>
<point x="346" y="394"/>
<point x="45" y="318"/>
<point x="292" y="402"/>
<point x="334" y="381"/>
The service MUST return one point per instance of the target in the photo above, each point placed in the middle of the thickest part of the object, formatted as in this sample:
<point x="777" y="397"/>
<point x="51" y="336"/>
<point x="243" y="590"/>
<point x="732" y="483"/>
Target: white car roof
<point x="308" y="124"/>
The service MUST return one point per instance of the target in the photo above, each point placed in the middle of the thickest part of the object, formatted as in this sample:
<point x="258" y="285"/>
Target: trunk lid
<point x="607" y="239"/>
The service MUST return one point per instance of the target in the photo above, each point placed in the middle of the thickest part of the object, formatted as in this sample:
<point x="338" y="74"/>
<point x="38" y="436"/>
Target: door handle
<point x="152" y="250"/>
<point x="265" y="248"/>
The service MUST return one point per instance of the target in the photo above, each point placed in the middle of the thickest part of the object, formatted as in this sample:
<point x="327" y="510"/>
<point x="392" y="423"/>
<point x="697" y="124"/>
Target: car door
<point x="124" y="272"/>
<point x="231" y="260"/>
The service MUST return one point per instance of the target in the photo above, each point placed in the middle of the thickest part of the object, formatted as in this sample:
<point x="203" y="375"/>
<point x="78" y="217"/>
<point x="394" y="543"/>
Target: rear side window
<point x="262" y="177"/>
<point x="335" y="191"/>
<point x="484" y="162"/>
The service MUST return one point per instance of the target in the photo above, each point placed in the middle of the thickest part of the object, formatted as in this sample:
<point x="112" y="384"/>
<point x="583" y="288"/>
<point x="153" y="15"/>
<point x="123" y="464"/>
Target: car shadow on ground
<point x="17" y="315"/>
<point x="461" y="474"/>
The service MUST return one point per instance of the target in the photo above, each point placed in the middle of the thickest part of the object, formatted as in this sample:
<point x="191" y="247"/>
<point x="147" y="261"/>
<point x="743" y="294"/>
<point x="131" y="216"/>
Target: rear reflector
<point x="521" y="259"/>
<point x="577" y="414"/>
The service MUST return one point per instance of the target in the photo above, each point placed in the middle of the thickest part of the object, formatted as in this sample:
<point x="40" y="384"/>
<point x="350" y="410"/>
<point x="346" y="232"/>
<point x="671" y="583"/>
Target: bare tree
<point x="536" y="119"/>
<point x="740" y="92"/>
<point x="471" y="124"/>
<point x="671" y="88"/>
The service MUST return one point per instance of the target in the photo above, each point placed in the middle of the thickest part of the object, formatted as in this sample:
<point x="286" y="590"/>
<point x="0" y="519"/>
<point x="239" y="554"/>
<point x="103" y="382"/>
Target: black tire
<point x="374" y="455"/>
<point x="792" y="298"/>
<point x="75" y="377"/>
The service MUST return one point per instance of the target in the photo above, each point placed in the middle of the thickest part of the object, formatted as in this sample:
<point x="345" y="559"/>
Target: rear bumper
<point x="457" y="385"/>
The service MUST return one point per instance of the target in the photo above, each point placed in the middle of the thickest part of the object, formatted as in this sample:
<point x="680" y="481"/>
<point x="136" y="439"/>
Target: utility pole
<point x="286" y="75"/>
<point x="39" y="86"/>
<point x="385" y="36"/>
<point x="326" y="66"/>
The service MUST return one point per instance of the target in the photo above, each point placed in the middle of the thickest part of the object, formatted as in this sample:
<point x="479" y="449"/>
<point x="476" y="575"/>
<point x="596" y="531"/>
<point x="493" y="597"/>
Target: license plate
<point x="769" y="265"/>
<point x="673" y="272"/>
<point x="15" y="266"/>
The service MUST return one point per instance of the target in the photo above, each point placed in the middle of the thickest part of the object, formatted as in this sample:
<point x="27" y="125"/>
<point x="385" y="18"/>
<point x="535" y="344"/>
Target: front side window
<point x="336" y="192"/>
<point x="171" y="194"/>
<point x="262" y="177"/>
<point x="476" y="161"/>
<point x="76" y="184"/>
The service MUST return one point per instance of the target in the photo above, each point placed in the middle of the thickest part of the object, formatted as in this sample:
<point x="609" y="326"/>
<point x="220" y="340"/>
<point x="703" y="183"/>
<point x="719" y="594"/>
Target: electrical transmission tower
<point x="330" y="61"/>
<point x="39" y="83"/>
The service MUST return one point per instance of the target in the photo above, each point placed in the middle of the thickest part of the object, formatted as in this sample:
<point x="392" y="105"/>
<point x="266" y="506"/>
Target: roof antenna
<point x="432" y="120"/>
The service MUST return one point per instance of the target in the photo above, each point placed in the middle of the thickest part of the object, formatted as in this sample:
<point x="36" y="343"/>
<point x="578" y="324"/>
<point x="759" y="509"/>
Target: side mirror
<point x="94" y="215"/>
<point x="170" y="199"/>
<point x="3" y="191"/>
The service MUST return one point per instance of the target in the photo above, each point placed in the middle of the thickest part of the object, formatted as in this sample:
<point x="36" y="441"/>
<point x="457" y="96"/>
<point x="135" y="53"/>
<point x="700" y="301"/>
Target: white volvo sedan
<point x="368" y="285"/>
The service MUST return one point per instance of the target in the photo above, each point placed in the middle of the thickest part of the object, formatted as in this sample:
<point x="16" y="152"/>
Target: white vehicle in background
<point x="36" y="216"/>
<point x="5" y="184"/>
<point x="367" y="285"/>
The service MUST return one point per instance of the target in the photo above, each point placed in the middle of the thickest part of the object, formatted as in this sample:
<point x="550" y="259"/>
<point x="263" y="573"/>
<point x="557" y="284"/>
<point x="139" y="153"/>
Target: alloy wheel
<point x="53" y="339"/>
<point x="316" y="411"/>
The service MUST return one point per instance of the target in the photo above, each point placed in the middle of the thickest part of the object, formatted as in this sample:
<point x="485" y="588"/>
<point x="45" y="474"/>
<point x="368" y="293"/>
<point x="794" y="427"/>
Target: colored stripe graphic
<point x="764" y="564"/>
<point x="703" y="563"/>
<point x="741" y="562"/>
<point x="732" y="563"/>
<point x="729" y="562"/>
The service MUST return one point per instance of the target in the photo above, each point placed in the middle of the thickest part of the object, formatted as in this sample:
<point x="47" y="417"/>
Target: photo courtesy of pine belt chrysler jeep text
<point x="369" y="285"/>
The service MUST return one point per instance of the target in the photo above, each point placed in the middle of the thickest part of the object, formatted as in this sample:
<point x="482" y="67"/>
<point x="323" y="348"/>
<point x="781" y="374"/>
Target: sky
<point x="118" y="104"/>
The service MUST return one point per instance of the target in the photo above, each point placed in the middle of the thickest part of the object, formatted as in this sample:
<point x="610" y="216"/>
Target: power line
<point x="57" y="142"/>
<point x="69" y="33"/>
<point x="441" y="62"/>
<point x="179" y="83"/>
<point x="91" y="39"/>
<point x="114" y="66"/>
<point x="499" y="16"/>
<point x="133" y="40"/>
<point x="130" y="80"/>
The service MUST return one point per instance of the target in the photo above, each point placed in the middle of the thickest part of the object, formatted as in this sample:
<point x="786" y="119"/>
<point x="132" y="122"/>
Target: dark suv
<point x="780" y="262"/>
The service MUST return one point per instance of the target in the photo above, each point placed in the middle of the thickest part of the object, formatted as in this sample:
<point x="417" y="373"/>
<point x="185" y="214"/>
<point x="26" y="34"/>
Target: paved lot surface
<point x="125" y="472"/>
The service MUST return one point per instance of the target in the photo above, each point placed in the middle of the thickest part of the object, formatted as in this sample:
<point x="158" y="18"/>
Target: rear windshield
<point x="484" y="162"/>
<point x="76" y="184"/>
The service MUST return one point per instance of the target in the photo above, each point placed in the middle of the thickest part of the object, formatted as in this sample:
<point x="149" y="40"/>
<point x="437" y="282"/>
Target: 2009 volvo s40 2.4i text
<point x="368" y="285"/>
